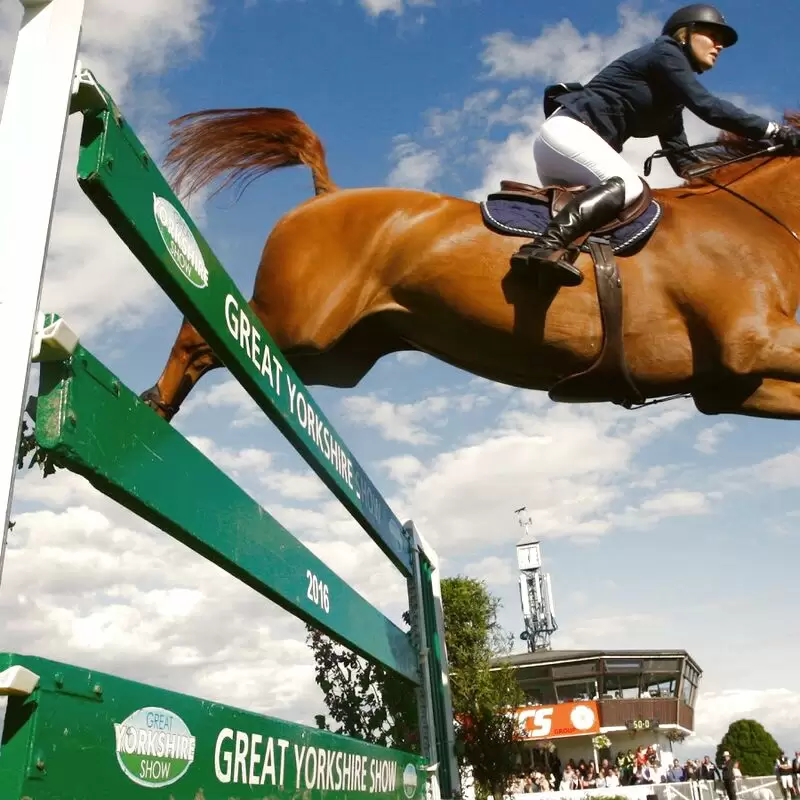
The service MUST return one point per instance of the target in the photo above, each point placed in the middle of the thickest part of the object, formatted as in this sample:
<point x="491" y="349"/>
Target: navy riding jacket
<point x="643" y="93"/>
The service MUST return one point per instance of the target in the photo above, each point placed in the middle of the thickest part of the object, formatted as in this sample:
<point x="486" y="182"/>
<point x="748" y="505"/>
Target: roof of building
<point x="544" y="657"/>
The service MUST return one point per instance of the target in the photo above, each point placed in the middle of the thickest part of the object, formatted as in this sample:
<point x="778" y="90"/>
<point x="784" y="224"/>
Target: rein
<point x="702" y="172"/>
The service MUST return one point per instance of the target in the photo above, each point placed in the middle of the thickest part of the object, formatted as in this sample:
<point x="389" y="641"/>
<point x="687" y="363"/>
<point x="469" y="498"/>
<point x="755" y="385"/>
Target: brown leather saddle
<point x="608" y="378"/>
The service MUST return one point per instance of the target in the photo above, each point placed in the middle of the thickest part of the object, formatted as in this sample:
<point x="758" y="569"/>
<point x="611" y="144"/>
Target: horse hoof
<point x="152" y="397"/>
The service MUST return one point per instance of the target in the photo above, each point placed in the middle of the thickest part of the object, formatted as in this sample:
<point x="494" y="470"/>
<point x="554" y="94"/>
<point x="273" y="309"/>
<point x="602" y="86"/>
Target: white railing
<point x="760" y="788"/>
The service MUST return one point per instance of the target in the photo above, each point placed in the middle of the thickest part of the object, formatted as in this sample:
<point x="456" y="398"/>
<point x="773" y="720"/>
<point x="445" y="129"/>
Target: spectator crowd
<point x="643" y="766"/>
<point x="788" y="773"/>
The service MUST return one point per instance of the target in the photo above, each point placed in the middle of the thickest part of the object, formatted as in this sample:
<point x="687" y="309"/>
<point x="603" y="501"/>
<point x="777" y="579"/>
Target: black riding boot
<point x="590" y="210"/>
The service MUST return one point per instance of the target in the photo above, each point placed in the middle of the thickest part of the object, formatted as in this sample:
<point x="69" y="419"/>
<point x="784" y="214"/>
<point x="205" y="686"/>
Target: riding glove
<point x="787" y="135"/>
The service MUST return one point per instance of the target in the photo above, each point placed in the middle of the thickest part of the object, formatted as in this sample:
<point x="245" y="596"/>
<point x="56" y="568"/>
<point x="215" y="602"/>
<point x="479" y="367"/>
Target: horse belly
<point x="467" y="310"/>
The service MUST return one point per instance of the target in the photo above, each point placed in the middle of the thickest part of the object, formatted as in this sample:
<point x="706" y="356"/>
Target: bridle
<point x="703" y="172"/>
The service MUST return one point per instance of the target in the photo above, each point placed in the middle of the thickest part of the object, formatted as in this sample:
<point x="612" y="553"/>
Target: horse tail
<point x="245" y="143"/>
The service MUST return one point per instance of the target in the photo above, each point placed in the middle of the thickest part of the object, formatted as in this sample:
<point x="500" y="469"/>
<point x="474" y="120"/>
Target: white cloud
<point x="709" y="438"/>
<point x="676" y="503"/>
<point x="776" y="708"/>
<point x="294" y="485"/>
<point x="255" y="466"/>
<point x="559" y="462"/>
<point x="651" y="477"/>
<point x="780" y="472"/>
<point x="92" y="279"/>
<point x="571" y="467"/>
<point x="110" y="592"/>
<point x="414" y="167"/>
<point x="494" y="570"/>
<point x="507" y="56"/>
<point x="230" y="397"/>
<point x="644" y="429"/>
<point x="411" y="358"/>
<point x="398" y="422"/>
<point x="612" y="630"/>
<point x="98" y="593"/>
<point x="377" y="7"/>
<point x="403" y="468"/>
<point x="475" y="106"/>
<point x="510" y="159"/>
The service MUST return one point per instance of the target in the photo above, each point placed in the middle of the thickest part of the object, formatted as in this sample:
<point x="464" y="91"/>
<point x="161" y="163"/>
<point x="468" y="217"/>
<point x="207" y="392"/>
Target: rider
<point x="641" y="94"/>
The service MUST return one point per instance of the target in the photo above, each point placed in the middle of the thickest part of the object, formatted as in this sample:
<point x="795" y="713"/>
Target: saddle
<point x="556" y="197"/>
<point x="520" y="209"/>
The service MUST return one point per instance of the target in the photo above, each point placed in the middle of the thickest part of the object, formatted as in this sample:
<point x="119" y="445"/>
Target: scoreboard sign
<point x="642" y="724"/>
<point x="559" y="720"/>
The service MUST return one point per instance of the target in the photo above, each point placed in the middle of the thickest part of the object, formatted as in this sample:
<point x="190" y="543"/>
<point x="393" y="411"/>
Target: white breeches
<point x="568" y="152"/>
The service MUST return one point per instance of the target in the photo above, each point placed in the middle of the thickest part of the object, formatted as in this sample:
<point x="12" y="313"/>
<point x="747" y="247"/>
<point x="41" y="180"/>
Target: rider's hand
<point x="787" y="135"/>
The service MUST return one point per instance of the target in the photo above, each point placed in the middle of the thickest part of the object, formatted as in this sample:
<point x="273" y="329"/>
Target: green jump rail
<point x="98" y="428"/>
<point x="84" y="734"/>
<point x="73" y="734"/>
<point x="118" y="175"/>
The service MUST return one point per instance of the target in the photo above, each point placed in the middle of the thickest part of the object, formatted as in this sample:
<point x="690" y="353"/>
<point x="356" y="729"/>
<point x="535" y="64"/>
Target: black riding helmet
<point x="703" y="14"/>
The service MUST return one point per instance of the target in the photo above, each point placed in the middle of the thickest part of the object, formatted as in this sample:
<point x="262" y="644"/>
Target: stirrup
<point x="553" y="264"/>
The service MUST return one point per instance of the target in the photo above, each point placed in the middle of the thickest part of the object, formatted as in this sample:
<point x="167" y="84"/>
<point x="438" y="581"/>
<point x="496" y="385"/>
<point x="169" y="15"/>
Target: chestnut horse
<point x="352" y="275"/>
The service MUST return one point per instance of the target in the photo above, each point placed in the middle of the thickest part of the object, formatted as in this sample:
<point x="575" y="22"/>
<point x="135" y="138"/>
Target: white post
<point x="32" y="131"/>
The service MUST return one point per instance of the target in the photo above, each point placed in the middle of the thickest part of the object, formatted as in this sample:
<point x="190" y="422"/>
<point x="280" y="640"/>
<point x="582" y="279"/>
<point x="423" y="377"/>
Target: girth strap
<point x="609" y="377"/>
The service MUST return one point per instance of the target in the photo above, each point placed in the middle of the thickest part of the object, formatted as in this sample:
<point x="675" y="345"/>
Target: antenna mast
<point x="535" y="591"/>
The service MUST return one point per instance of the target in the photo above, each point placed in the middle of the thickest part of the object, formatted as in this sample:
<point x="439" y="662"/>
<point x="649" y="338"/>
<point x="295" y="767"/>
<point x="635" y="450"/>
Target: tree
<point x="752" y="746"/>
<point x="484" y="695"/>
<point x="366" y="700"/>
<point x="370" y="703"/>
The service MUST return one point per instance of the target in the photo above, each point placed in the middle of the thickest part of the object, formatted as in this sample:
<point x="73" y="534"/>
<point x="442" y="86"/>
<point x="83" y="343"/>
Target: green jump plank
<point x="84" y="734"/>
<point x="118" y="175"/>
<point x="100" y="429"/>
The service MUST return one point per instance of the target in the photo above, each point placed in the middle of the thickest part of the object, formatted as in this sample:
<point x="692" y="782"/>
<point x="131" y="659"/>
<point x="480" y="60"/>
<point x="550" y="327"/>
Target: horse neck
<point x="775" y="186"/>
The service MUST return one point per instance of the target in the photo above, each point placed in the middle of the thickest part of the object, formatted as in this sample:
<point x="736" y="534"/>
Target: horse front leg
<point x="768" y="398"/>
<point x="767" y="350"/>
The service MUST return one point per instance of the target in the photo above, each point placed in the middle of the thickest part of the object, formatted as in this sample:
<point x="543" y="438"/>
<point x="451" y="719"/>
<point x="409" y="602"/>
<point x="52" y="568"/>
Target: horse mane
<point x="729" y="145"/>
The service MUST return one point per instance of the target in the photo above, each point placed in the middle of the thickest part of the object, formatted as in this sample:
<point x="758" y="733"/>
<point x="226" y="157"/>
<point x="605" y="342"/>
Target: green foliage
<point x="370" y="703"/>
<point x="28" y="447"/>
<point x="752" y="746"/>
<point x="483" y="694"/>
<point x="365" y="700"/>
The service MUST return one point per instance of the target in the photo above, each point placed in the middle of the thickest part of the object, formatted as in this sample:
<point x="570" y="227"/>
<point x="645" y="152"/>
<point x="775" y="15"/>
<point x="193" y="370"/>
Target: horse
<point x="352" y="275"/>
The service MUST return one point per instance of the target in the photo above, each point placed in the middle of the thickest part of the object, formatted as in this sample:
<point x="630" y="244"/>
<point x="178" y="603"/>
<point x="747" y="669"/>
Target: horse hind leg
<point x="342" y="362"/>
<point x="308" y="312"/>
<point x="191" y="357"/>
<point x="345" y="363"/>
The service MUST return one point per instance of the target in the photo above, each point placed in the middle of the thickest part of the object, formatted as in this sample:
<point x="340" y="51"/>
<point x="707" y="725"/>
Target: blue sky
<point x="661" y="528"/>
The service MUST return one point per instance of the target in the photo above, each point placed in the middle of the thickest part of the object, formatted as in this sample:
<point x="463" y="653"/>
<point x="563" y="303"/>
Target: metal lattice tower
<point x="535" y="591"/>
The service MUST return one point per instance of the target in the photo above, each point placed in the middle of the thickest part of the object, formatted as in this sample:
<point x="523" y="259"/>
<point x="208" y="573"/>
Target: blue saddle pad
<point x="529" y="218"/>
